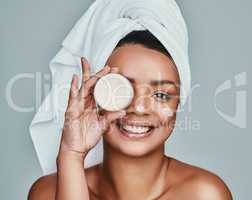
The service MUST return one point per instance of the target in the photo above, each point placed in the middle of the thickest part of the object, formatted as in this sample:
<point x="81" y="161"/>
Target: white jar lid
<point x="113" y="92"/>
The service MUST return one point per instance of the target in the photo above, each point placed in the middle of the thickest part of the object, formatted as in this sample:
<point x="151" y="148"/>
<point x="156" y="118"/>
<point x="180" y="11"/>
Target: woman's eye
<point x="162" y="96"/>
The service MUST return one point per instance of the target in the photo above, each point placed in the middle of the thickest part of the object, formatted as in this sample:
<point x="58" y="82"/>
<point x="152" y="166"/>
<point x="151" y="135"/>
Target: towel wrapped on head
<point x="94" y="36"/>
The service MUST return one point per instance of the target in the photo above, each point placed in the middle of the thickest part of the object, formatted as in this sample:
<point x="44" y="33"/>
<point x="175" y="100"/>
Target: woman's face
<point x="155" y="80"/>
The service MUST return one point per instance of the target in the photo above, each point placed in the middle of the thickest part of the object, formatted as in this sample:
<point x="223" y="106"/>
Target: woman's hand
<point x="83" y="128"/>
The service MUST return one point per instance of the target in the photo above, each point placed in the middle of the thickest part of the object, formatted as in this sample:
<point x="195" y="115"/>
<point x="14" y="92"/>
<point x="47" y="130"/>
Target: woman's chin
<point x="134" y="150"/>
<point x="129" y="149"/>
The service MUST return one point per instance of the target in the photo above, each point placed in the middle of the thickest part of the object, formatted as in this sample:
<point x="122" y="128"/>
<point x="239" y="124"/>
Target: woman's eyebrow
<point x="156" y="82"/>
<point x="162" y="82"/>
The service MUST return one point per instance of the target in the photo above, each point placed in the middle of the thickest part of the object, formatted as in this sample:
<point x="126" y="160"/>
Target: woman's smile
<point x="134" y="129"/>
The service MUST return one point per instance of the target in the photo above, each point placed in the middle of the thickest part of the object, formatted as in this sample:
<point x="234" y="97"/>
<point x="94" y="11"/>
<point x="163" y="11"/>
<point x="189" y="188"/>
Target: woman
<point x="135" y="166"/>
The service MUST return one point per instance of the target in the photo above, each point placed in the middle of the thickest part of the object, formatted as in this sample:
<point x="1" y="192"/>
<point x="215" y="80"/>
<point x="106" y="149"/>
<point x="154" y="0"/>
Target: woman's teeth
<point x="136" y="129"/>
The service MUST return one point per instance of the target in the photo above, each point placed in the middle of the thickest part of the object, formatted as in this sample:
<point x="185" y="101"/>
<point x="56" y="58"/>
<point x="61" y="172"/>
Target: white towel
<point x="94" y="36"/>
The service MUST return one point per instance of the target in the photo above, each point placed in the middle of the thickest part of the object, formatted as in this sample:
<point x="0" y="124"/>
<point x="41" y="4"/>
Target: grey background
<point x="220" y="47"/>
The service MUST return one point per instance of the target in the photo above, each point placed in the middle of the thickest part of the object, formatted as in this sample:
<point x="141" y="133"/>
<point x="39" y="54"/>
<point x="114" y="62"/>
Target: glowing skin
<point x="166" y="112"/>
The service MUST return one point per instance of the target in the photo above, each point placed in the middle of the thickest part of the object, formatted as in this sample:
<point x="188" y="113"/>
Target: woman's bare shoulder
<point x="196" y="182"/>
<point x="45" y="186"/>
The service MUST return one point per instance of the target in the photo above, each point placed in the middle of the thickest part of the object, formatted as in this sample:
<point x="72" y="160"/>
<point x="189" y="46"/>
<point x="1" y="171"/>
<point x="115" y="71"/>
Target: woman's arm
<point x="81" y="132"/>
<point x="71" y="178"/>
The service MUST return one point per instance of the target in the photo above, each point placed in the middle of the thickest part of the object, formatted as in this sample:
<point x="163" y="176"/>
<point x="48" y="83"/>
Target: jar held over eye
<point x="113" y="92"/>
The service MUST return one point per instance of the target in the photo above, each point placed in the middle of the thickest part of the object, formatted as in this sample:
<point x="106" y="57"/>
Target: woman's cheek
<point x="166" y="116"/>
<point x="166" y="112"/>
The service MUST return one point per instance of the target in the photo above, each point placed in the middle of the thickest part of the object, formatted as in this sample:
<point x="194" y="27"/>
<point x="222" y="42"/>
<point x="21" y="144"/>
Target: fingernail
<point x="75" y="78"/>
<point x="83" y="59"/>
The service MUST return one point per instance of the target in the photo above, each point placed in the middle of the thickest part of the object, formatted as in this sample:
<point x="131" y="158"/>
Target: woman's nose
<point x="140" y="104"/>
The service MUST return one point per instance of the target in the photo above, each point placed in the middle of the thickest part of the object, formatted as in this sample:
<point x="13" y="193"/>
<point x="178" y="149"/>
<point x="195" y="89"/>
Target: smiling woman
<point x="154" y="77"/>
<point x="134" y="165"/>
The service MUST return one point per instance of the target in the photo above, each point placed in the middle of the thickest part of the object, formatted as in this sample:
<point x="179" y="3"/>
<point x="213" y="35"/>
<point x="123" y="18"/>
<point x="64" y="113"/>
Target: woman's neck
<point x="133" y="177"/>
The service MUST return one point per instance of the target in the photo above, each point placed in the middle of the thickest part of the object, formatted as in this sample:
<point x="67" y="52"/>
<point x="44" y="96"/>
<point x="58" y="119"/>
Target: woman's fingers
<point x="73" y="95"/>
<point x="88" y="84"/>
<point x="85" y="69"/>
<point x="74" y="91"/>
